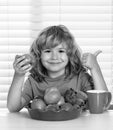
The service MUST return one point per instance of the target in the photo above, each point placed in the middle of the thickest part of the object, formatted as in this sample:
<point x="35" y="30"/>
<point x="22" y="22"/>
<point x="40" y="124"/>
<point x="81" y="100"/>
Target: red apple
<point x="30" y="58"/>
<point x="52" y="95"/>
<point x="52" y="107"/>
<point x="67" y="107"/>
<point x="38" y="104"/>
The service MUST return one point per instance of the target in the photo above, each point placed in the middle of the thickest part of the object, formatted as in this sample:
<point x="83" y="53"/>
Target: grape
<point x="76" y="98"/>
<point x="70" y="96"/>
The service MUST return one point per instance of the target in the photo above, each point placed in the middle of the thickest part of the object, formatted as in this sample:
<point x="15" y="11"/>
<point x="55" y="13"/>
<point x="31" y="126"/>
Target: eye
<point x="47" y="51"/>
<point x="62" y="51"/>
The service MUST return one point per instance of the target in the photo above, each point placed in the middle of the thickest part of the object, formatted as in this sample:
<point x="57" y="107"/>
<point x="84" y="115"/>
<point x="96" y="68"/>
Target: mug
<point x="98" y="101"/>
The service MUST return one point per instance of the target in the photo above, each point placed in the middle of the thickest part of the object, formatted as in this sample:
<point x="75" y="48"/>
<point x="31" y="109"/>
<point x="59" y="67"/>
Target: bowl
<point x="54" y="115"/>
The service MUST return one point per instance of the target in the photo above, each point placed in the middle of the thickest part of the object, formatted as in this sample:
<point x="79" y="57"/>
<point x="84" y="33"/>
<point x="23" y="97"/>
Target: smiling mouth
<point x="54" y="62"/>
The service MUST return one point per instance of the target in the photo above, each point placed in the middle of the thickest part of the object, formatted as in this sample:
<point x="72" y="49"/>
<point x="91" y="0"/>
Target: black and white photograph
<point x="56" y="64"/>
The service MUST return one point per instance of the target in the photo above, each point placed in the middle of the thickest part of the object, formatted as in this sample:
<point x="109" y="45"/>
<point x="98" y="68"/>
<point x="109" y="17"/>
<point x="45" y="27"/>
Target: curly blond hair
<point x="50" y="37"/>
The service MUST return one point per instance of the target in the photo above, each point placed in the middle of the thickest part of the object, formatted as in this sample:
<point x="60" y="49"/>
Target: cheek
<point x="64" y="56"/>
<point x="44" y="57"/>
<point x="43" y="60"/>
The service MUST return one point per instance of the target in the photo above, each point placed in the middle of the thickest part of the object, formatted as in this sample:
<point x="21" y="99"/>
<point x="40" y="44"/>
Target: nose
<point x="54" y="55"/>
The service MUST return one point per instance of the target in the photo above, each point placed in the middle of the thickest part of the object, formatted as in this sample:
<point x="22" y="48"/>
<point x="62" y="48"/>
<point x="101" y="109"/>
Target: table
<point x="22" y="121"/>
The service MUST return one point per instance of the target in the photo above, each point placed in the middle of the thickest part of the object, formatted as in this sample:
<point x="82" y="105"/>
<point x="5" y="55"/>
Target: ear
<point x="97" y="53"/>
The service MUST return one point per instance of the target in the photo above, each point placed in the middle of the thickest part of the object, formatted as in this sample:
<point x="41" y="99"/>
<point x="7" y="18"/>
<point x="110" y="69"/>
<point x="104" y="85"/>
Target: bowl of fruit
<point x="56" y="107"/>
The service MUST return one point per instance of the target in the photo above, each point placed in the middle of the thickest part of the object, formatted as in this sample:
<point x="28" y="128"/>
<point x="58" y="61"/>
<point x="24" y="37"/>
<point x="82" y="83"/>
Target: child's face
<point x="55" y="60"/>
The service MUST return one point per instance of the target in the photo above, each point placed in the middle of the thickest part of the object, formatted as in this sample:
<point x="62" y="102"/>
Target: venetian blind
<point x="15" y="38"/>
<point x="90" y="21"/>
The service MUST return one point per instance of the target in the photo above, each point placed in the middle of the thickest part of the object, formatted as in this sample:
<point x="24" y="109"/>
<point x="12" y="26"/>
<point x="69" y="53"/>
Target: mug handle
<point x="109" y="97"/>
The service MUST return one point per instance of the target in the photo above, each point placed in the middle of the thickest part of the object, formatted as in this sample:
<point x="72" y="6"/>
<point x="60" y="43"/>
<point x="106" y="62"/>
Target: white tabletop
<point x="87" y="121"/>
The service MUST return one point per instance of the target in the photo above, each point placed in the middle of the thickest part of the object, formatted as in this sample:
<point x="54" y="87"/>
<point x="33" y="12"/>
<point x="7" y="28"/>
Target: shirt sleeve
<point x="86" y="82"/>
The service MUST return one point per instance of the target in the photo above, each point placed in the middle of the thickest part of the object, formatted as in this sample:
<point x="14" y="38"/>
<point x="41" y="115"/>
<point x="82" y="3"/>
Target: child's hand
<point x="21" y="65"/>
<point x="90" y="60"/>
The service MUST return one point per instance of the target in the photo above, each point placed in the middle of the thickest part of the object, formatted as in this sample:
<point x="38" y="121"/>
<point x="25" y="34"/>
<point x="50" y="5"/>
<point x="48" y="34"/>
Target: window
<point x="90" y="21"/>
<point x="15" y="38"/>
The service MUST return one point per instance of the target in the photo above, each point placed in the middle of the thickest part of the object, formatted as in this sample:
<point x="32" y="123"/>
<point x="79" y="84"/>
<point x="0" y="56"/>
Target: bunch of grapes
<point x="78" y="98"/>
<point x="70" y="96"/>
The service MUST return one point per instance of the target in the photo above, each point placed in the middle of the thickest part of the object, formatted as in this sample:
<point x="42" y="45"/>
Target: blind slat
<point x="15" y="2"/>
<point x="3" y="96"/>
<point x="78" y="25"/>
<point x="77" y="10"/>
<point x="15" y="9"/>
<point x="77" y="2"/>
<point x="22" y="41"/>
<point x="4" y="88"/>
<point x="14" y="17"/>
<point x="76" y="17"/>
<point x="3" y="103"/>
<point x="6" y="80"/>
<point x="16" y="49"/>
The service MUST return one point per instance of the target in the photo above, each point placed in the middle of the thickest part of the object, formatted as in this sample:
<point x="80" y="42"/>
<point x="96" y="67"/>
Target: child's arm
<point x="15" y="102"/>
<point x="90" y="61"/>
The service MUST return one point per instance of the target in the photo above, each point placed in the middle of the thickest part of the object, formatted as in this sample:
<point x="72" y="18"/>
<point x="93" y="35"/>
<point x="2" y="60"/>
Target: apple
<point x="52" y="95"/>
<point x="30" y="58"/>
<point x="38" y="104"/>
<point x="67" y="107"/>
<point x="52" y="107"/>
